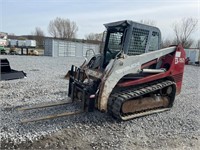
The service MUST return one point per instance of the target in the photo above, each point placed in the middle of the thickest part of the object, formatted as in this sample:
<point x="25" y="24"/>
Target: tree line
<point x="66" y="29"/>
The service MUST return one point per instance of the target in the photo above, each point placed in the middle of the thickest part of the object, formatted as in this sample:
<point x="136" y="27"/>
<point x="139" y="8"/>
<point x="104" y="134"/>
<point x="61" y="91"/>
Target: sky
<point x="22" y="16"/>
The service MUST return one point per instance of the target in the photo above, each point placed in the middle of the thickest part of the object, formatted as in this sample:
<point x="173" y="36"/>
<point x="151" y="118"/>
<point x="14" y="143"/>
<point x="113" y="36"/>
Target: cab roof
<point x="126" y="23"/>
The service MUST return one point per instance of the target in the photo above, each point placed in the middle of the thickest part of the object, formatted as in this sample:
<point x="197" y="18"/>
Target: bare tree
<point x="148" y="22"/>
<point x="167" y="42"/>
<point x="38" y="31"/>
<point x="39" y="36"/>
<point x="62" y="28"/>
<point x="94" y="36"/>
<point x="183" y="31"/>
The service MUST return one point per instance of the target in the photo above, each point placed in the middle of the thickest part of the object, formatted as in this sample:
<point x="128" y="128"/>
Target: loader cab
<point x="130" y="38"/>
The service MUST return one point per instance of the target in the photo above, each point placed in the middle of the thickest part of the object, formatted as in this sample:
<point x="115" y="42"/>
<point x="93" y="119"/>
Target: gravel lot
<point x="178" y="128"/>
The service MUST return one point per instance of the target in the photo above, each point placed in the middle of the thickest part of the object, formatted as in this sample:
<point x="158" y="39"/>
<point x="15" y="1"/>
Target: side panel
<point x="178" y="68"/>
<point x="122" y="67"/>
<point x="175" y="63"/>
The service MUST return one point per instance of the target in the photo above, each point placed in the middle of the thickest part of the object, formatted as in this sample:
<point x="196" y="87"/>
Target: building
<point x="63" y="48"/>
<point x="3" y="39"/>
<point x="193" y="54"/>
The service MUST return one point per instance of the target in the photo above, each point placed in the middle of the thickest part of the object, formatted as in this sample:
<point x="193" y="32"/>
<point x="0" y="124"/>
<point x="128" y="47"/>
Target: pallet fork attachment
<point x="43" y="106"/>
<point x="49" y="116"/>
<point x="87" y="102"/>
<point x="52" y="116"/>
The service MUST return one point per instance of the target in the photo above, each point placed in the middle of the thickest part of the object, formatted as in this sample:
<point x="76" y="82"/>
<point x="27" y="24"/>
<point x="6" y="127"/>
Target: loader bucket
<point x="9" y="74"/>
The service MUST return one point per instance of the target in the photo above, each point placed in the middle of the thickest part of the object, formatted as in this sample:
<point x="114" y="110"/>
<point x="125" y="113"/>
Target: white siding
<point x="87" y="47"/>
<point x="30" y="43"/>
<point x="193" y="54"/>
<point x="13" y="42"/>
<point x="21" y="43"/>
<point x="71" y="50"/>
<point x="61" y="48"/>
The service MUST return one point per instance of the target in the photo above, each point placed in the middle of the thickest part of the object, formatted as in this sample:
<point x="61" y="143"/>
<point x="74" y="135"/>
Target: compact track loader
<point x="132" y="76"/>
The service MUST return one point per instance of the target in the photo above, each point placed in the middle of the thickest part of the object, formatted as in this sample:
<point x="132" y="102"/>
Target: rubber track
<point x="116" y="100"/>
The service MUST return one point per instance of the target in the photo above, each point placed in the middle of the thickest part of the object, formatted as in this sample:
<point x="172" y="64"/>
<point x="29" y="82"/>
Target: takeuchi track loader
<point x="131" y="77"/>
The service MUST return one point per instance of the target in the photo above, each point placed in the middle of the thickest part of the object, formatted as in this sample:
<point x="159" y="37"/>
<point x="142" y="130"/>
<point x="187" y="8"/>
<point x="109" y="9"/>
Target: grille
<point x="154" y="41"/>
<point x="138" y="41"/>
<point x="115" y="41"/>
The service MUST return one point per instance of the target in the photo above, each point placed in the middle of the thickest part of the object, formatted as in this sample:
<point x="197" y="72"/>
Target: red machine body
<point x="174" y="62"/>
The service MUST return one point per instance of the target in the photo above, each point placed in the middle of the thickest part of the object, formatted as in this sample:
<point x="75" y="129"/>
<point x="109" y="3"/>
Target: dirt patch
<point x="70" y="139"/>
<point x="64" y="139"/>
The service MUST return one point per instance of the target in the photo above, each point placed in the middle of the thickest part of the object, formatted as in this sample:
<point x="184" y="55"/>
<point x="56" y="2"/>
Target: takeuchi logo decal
<point x="179" y="60"/>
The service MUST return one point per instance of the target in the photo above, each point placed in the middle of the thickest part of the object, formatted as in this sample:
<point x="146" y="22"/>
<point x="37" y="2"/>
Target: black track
<point x="116" y="100"/>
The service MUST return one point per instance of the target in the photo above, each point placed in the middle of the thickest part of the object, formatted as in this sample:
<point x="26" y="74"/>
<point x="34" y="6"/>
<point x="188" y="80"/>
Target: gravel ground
<point x="178" y="128"/>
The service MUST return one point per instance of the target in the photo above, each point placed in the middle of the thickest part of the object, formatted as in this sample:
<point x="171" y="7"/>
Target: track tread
<point x="117" y="99"/>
